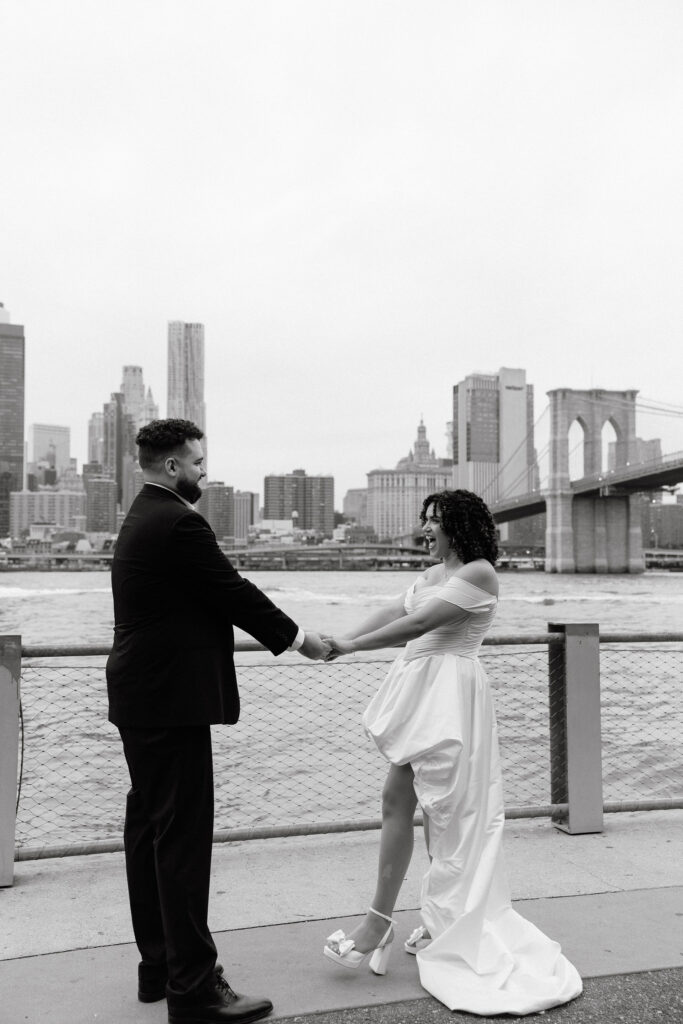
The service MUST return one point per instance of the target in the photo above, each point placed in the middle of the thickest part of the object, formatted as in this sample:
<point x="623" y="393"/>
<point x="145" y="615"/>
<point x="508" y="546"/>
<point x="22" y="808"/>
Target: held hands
<point x="338" y="646"/>
<point x="315" y="647"/>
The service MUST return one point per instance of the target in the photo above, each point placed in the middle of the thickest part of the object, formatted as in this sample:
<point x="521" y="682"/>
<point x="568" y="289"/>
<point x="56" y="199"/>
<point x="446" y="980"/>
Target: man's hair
<point x="161" y="438"/>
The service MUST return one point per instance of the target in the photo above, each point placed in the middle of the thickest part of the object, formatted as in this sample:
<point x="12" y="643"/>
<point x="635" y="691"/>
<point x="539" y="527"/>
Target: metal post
<point x="575" y="741"/>
<point x="10" y="673"/>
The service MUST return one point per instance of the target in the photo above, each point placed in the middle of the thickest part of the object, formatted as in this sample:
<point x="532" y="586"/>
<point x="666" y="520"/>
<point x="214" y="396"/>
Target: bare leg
<point x="425" y="826"/>
<point x="396" y="849"/>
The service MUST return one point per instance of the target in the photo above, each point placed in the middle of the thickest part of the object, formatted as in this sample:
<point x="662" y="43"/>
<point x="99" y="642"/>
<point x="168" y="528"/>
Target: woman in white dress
<point x="433" y="720"/>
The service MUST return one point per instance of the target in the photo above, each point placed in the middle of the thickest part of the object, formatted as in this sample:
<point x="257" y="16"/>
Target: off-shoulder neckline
<point x="455" y="579"/>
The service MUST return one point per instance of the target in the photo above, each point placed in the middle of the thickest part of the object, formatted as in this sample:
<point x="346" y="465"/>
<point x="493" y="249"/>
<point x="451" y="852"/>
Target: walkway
<point x="614" y="901"/>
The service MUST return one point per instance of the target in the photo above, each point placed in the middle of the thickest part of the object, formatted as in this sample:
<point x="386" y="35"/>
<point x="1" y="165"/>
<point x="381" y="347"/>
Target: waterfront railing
<point x="587" y="724"/>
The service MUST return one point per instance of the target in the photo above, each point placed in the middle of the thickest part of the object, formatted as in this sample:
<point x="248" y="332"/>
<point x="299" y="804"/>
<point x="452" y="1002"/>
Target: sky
<point x="363" y="202"/>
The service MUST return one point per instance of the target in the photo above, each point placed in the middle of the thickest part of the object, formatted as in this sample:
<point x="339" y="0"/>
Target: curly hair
<point x="467" y="521"/>
<point x="160" y="438"/>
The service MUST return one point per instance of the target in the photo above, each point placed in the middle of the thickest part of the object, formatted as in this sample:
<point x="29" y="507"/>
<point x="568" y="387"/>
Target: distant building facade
<point x="96" y="437"/>
<point x="101" y="494"/>
<point x="662" y="524"/>
<point x="61" y="508"/>
<point x="118" y="441"/>
<point x="218" y="508"/>
<point x="49" y="445"/>
<point x="307" y="501"/>
<point x="11" y="414"/>
<point x="246" y="504"/>
<point x="138" y="402"/>
<point x="355" y="506"/>
<point x="493" y="434"/>
<point x="395" y="496"/>
<point x="185" y="385"/>
<point x="493" y="443"/>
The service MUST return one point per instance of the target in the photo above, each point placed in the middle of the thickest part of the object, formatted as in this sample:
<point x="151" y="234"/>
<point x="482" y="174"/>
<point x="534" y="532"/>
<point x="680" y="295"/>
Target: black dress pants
<point x="168" y="838"/>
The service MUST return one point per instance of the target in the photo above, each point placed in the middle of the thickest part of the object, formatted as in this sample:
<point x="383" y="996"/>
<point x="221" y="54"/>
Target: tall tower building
<point x="96" y="438"/>
<point x="137" y="402"/>
<point x="493" y="434"/>
<point x="11" y="414"/>
<point x="493" y="439"/>
<point x="186" y="372"/>
<point x="118" y="446"/>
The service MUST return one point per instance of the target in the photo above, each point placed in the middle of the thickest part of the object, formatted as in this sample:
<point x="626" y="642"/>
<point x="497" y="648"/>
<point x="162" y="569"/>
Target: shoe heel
<point x="380" y="959"/>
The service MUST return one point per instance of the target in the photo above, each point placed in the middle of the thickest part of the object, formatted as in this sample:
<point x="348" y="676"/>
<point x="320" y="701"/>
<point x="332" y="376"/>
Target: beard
<point x="189" y="491"/>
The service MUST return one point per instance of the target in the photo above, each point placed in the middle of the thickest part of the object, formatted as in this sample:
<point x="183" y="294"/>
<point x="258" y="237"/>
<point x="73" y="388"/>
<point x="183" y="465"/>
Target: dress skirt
<point x="435" y="713"/>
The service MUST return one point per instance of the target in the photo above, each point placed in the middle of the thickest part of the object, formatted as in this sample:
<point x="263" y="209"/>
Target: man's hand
<point x="314" y="647"/>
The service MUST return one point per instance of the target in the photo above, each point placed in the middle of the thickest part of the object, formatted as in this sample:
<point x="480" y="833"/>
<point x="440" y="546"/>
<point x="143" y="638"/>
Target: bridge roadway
<point x="642" y="476"/>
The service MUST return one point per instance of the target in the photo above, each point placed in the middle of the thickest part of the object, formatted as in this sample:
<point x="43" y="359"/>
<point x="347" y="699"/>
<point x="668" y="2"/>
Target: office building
<point x="493" y="434"/>
<point x="101" y="493"/>
<point x="355" y="505"/>
<point x="118" y="441"/>
<point x="96" y="437"/>
<point x="138" y="402"/>
<point x="185" y="394"/>
<point x="493" y="442"/>
<point x="132" y="482"/>
<point x="11" y="414"/>
<point x="306" y="501"/>
<point x="218" y="508"/>
<point x="395" y="496"/>
<point x="63" y="509"/>
<point x="49" y="446"/>
<point x="246" y="514"/>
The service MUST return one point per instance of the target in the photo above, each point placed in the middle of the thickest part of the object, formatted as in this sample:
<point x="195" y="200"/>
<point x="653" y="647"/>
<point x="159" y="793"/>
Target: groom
<point x="170" y="676"/>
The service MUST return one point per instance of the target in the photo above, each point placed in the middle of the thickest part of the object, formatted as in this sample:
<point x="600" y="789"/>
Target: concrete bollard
<point x="10" y="674"/>
<point x="575" y="739"/>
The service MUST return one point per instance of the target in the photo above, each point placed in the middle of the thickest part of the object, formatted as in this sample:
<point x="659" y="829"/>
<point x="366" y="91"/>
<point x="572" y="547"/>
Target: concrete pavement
<point x="613" y="900"/>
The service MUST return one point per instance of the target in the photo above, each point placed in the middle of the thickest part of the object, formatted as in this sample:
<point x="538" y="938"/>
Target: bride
<point x="433" y="720"/>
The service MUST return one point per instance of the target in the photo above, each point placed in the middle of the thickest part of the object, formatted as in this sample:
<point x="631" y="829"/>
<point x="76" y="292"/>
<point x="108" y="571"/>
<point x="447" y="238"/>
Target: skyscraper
<point x="493" y="434"/>
<point x="96" y="437"/>
<point x="11" y="414"/>
<point x="137" y="402"/>
<point x="186" y="372"/>
<point x="118" y="441"/>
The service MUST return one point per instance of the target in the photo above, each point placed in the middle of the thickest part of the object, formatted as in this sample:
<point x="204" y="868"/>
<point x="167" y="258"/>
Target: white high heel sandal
<point x="417" y="940"/>
<point x="343" y="952"/>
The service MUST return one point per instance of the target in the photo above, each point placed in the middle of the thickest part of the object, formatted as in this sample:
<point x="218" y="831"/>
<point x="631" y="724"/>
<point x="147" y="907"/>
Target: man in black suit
<point x="170" y="676"/>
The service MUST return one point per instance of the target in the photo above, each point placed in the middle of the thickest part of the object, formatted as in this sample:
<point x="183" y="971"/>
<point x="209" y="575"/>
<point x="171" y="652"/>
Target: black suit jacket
<point x="176" y="599"/>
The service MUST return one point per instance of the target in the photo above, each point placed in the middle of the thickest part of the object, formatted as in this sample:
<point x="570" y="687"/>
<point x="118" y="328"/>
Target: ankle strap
<point x="389" y="919"/>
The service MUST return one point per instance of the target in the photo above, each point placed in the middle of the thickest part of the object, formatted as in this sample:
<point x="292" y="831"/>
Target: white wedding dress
<point x="434" y="711"/>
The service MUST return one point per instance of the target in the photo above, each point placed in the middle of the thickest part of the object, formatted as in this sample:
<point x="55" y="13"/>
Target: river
<point x="76" y="607"/>
<point x="298" y="754"/>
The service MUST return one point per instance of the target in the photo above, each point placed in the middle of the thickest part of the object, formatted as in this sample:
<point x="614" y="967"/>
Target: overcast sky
<point x="363" y="201"/>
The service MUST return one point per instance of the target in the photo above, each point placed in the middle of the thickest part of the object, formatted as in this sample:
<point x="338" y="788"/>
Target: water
<point x="299" y="753"/>
<point x="76" y="607"/>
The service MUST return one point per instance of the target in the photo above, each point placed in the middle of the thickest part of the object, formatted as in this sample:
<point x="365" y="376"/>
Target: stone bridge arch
<point x="587" y="533"/>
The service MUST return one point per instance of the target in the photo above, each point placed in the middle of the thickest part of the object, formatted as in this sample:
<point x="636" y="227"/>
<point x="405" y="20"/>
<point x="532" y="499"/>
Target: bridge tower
<point x="586" y="533"/>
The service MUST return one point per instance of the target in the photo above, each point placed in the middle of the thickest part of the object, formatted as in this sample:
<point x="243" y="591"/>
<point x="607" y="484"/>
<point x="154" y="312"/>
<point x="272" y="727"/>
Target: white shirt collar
<point x="151" y="483"/>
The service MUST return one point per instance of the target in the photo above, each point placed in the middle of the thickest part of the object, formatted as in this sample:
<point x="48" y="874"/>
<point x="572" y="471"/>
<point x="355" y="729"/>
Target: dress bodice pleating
<point x="474" y="612"/>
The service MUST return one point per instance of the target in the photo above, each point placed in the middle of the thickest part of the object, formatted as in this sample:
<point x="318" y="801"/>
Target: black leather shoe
<point x="151" y="983"/>
<point x="216" y="1003"/>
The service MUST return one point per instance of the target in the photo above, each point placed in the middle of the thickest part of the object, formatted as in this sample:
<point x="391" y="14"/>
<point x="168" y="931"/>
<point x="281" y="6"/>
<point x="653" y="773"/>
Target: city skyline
<point x="394" y="200"/>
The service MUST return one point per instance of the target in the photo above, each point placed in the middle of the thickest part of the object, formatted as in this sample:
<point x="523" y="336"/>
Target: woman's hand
<point x="340" y="645"/>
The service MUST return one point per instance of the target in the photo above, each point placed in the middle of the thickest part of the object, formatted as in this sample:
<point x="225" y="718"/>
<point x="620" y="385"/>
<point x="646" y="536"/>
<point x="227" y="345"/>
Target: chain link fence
<point x="299" y="757"/>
